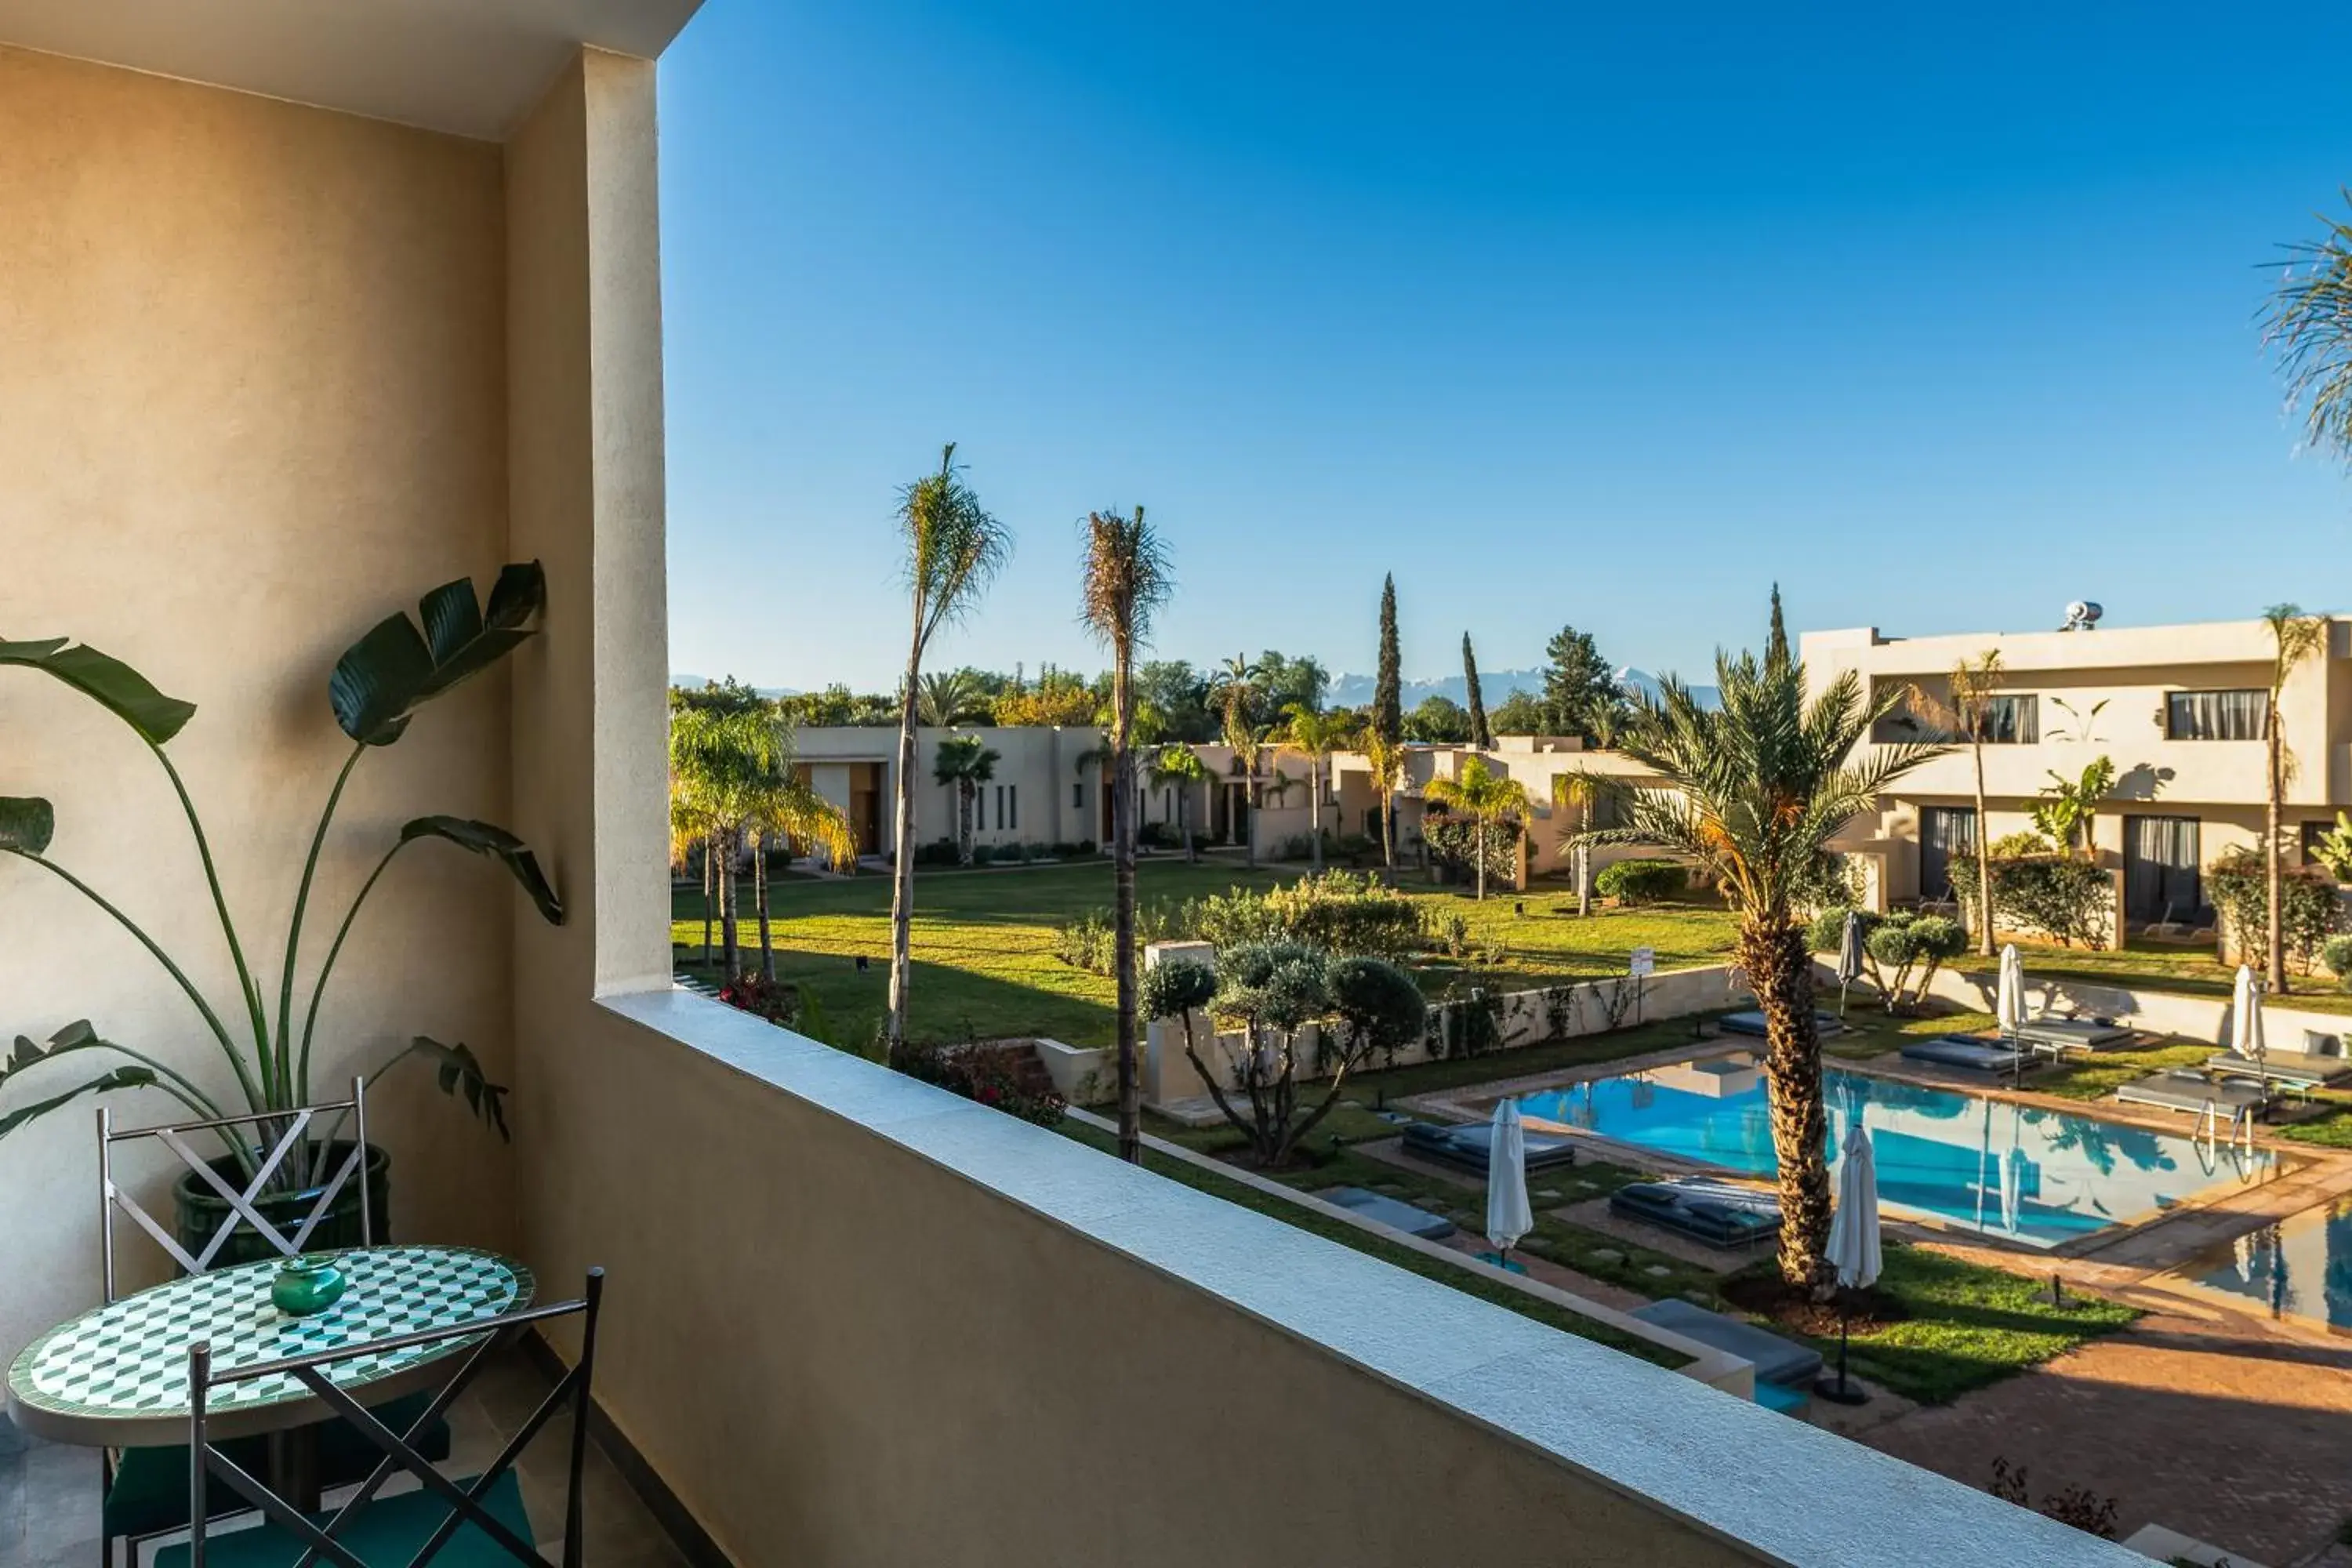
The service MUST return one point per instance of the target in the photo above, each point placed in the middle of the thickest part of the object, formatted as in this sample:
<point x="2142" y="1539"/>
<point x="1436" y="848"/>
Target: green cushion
<point x="151" y="1485"/>
<point x="386" y="1534"/>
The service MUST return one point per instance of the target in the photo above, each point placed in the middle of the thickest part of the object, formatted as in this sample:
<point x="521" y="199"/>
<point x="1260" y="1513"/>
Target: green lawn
<point x="1966" y="1326"/>
<point x="983" y="942"/>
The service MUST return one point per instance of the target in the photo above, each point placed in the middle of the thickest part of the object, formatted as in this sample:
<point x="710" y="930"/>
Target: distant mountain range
<point x="1494" y="685"/>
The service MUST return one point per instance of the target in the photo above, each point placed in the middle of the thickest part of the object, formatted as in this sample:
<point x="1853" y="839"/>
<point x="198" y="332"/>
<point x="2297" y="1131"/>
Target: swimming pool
<point x="2041" y="1177"/>
<point x="2301" y="1267"/>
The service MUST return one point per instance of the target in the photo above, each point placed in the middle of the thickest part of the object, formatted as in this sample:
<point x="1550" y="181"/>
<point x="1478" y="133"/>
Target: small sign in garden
<point x="1642" y="960"/>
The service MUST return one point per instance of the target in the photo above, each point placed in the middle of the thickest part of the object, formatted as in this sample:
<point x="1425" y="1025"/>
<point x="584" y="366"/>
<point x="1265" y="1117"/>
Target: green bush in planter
<point x="374" y="693"/>
<point x="2335" y="952"/>
<point x="1643" y="882"/>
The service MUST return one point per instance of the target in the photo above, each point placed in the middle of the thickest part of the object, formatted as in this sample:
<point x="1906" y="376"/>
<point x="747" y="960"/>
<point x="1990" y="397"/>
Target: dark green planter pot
<point x="198" y="1211"/>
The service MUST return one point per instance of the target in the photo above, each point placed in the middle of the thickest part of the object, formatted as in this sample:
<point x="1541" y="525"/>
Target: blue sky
<point x="1560" y="314"/>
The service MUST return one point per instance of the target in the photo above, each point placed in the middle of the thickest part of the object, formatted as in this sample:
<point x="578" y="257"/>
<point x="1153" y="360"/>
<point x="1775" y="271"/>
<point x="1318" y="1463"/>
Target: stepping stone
<point x="1549" y="1193"/>
<point x="1606" y="1255"/>
<point x="1656" y="1271"/>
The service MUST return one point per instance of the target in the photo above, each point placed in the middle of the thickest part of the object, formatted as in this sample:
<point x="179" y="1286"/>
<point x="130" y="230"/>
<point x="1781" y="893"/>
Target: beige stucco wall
<point x="251" y="389"/>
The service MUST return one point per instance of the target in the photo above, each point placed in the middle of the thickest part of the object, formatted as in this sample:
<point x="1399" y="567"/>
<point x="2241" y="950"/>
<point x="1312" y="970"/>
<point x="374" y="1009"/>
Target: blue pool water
<point x="2301" y="1267"/>
<point x="2041" y="1177"/>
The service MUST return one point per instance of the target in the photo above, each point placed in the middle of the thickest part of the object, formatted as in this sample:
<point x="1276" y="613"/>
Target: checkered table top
<point x="129" y="1360"/>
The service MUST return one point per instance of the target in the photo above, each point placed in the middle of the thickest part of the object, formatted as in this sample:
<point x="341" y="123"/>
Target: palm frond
<point x="2307" y="326"/>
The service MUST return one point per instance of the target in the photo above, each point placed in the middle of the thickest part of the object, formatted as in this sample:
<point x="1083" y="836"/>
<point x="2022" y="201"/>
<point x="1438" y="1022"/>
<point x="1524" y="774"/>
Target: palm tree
<point x="1384" y="755"/>
<point x="1966" y="717"/>
<point x="962" y="763"/>
<point x="1315" y="736"/>
<point x="2294" y="637"/>
<point x="2309" y="326"/>
<point x="779" y="807"/>
<point x="1484" y="795"/>
<point x="1581" y="793"/>
<point x="953" y="548"/>
<point x="691" y="828"/>
<point x="1754" y="791"/>
<point x="1234" y="689"/>
<point x="951" y="698"/>
<point x="1179" y="767"/>
<point x="733" y="783"/>
<point x="1127" y="580"/>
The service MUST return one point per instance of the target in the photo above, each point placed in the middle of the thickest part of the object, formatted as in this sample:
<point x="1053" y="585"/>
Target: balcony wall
<point x="251" y="400"/>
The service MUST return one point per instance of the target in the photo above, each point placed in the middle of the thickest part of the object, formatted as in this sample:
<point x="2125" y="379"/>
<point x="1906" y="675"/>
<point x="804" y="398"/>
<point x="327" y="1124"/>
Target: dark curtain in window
<point x="2012" y="721"/>
<point x="2216" y="715"/>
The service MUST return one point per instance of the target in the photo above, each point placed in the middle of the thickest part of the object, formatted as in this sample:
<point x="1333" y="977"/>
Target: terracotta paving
<point x="2220" y="1426"/>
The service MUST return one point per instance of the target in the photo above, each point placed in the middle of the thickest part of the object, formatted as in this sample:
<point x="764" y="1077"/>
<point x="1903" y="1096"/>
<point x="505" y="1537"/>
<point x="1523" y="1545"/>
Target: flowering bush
<point x="990" y="1073"/>
<point x="2309" y="910"/>
<point x="771" y="999"/>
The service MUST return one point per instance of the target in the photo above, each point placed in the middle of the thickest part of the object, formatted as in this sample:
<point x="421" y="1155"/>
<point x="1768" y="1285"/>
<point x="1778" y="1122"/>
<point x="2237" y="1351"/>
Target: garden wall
<point x="2161" y="1012"/>
<point x="1524" y="1019"/>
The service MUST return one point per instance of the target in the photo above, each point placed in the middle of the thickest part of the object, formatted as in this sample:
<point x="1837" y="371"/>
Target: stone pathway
<point x="2220" y="1426"/>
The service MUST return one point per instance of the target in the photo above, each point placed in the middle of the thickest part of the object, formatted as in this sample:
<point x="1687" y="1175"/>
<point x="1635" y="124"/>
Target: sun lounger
<point x="1963" y="1051"/>
<point x="1471" y="1146"/>
<point x="1716" y="1213"/>
<point x="2296" y="1069"/>
<point x="1752" y="1023"/>
<point x="1389" y="1212"/>
<point x="2056" y="1037"/>
<point x="1777" y="1360"/>
<point x="2182" y="1090"/>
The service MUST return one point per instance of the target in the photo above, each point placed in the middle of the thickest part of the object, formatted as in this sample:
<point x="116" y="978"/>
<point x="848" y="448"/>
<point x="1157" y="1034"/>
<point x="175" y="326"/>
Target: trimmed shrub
<point x="2045" y="894"/>
<point x="1347" y="914"/>
<point x="1924" y="943"/>
<point x="1454" y="847"/>
<point x="1644" y="881"/>
<point x="2335" y="953"/>
<point x="1826" y="929"/>
<point x="2309" y="910"/>
<point x="1084" y="941"/>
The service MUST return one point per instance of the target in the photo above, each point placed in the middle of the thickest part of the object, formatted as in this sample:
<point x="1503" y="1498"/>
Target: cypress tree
<point x="1480" y="736"/>
<point x="1388" y="692"/>
<point x="1775" y="647"/>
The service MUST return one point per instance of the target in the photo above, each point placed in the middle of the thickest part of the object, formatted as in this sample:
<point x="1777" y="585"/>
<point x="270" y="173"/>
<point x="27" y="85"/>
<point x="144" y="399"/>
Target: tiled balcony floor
<point x="48" y="1493"/>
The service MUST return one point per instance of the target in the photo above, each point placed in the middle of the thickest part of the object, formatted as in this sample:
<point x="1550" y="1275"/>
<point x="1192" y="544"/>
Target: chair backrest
<point x="289" y="1135"/>
<point x="326" y="1544"/>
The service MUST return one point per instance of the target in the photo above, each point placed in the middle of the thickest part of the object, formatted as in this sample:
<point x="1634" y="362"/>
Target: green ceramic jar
<point x="307" y="1285"/>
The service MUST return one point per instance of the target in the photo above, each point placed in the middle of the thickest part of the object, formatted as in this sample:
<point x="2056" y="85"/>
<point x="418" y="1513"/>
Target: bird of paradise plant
<point x="375" y="691"/>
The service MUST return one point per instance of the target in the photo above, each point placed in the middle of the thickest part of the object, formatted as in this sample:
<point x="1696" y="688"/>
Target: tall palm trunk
<point x="1122" y="860"/>
<point x="731" y="933"/>
<point x="902" y="871"/>
<point x="1387" y="831"/>
<point x="1984" y="858"/>
<point x="1315" y="808"/>
<point x="966" y="792"/>
<point x="2273" y="897"/>
<point x="1250" y="806"/>
<point x="1478" y="849"/>
<point x="709" y="891"/>
<point x="1772" y="953"/>
<point x="760" y="901"/>
<point x="1184" y="827"/>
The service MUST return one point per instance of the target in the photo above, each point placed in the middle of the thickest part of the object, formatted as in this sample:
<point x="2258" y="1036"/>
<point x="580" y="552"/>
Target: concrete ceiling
<point x="469" y="67"/>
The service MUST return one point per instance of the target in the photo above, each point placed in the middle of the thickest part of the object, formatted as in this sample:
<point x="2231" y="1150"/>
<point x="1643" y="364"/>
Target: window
<point x="999" y="807"/>
<point x="2011" y="722"/>
<point x="2216" y="715"/>
<point x="1008" y="812"/>
<point x="1078" y="795"/>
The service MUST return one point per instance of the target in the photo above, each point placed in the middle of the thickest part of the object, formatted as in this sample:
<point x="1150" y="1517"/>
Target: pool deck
<point x="2143" y="1258"/>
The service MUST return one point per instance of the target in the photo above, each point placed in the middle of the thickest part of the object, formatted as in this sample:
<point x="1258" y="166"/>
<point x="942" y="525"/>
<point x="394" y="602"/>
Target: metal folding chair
<point x="289" y="1140"/>
<point x="410" y="1528"/>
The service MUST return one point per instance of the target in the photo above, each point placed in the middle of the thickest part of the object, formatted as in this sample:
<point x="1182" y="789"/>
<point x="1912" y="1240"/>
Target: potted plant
<point x="375" y="691"/>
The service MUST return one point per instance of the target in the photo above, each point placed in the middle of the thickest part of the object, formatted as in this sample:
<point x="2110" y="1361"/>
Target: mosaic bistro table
<point x="117" y="1376"/>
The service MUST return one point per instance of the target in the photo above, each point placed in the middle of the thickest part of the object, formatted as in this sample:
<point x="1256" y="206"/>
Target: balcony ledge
<point x="1795" y="1494"/>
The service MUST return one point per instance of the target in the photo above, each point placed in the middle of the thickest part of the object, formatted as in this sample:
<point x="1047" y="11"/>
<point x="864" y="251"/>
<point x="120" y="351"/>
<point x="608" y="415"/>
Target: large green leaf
<point x="381" y="679"/>
<point x="483" y="838"/>
<point x="114" y="685"/>
<point x="459" y="1073"/>
<point x="104" y="1083"/>
<point x="26" y="824"/>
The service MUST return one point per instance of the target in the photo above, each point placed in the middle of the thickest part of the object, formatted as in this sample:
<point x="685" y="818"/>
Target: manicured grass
<point x="983" y="942"/>
<point x="1404" y="1258"/>
<point x="1967" y="1326"/>
<point x="2330" y="1129"/>
<point x="2190" y="971"/>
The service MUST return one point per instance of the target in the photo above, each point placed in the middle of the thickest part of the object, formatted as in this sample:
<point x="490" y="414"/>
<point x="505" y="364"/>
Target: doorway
<point x="1944" y="831"/>
<point x="2162" y="881"/>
